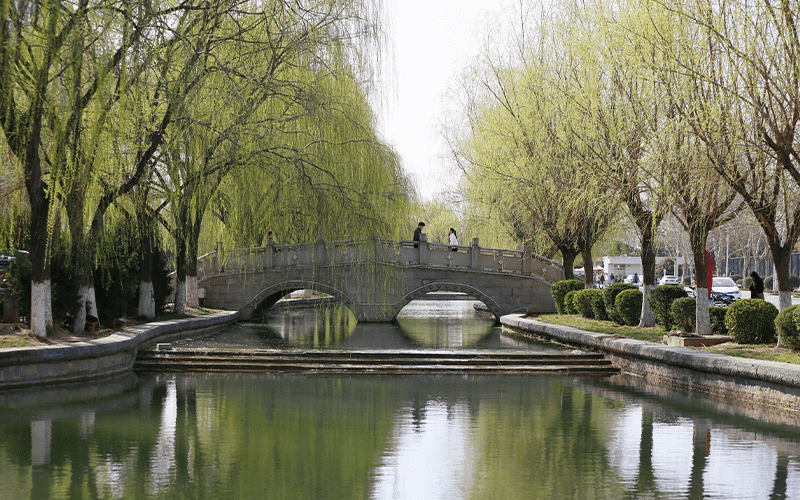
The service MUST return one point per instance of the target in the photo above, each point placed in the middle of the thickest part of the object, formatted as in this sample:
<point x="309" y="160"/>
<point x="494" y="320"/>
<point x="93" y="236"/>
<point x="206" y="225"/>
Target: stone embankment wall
<point x="107" y="356"/>
<point x="758" y="382"/>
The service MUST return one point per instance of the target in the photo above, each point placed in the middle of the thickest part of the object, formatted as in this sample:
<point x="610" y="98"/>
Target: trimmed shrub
<point x="736" y="277"/>
<point x="684" y="313"/>
<point x="751" y="321"/>
<point x="768" y="283"/>
<point x="660" y="301"/>
<point x="610" y="298"/>
<point x="584" y="301"/>
<point x="687" y="281"/>
<point x="718" y="320"/>
<point x="794" y="282"/>
<point x="560" y="289"/>
<point x="569" y="302"/>
<point x="787" y="323"/>
<point x="746" y="282"/>
<point x="629" y="306"/>
<point x="599" y="305"/>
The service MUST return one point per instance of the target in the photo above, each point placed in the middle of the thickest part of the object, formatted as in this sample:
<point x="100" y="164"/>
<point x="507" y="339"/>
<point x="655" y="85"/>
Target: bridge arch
<point x="273" y="293"/>
<point x="443" y="286"/>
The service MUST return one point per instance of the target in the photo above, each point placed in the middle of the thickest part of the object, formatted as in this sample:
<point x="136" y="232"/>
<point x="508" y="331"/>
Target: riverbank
<point x="113" y="354"/>
<point x="764" y="383"/>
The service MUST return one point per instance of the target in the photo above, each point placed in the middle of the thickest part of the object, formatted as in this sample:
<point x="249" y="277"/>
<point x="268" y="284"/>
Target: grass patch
<point x="20" y="340"/>
<point x="764" y="352"/>
<point x="653" y="334"/>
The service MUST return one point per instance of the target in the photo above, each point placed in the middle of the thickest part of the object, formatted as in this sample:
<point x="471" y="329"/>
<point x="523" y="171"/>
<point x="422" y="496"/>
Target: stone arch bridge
<point x="377" y="278"/>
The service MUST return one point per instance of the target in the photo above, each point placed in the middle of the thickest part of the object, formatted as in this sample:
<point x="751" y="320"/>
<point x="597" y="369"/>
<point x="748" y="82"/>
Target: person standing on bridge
<point x="271" y="241"/>
<point x="453" y="240"/>
<point x="418" y="233"/>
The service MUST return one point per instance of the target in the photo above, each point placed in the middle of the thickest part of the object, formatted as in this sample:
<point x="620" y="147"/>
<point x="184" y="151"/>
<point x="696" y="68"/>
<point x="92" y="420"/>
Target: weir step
<point x="370" y="361"/>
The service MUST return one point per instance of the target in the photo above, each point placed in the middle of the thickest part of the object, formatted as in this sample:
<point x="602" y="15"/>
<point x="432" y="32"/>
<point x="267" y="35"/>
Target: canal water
<point x="310" y="436"/>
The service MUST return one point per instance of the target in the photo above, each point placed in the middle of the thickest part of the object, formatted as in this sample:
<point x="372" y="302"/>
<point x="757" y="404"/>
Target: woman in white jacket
<point x="453" y="240"/>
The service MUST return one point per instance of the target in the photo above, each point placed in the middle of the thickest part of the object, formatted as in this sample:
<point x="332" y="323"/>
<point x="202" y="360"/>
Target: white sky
<point x="433" y="42"/>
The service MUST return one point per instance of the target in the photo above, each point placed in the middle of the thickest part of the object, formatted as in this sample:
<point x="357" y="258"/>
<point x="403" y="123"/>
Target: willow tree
<point x="622" y="113"/>
<point x="320" y="169"/>
<point x="523" y="138"/>
<point x="747" y="70"/>
<point x="293" y="102"/>
<point x="57" y="60"/>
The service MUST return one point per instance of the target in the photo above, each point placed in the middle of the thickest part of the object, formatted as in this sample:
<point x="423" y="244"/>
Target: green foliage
<point x="599" y="305"/>
<point x="117" y="276"/>
<point x="585" y="301"/>
<point x="65" y="286"/>
<point x="751" y="321"/>
<point x="718" y="320"/>
<point x="560" y="289"/>
<point x="746" y="282"/>
<point x="736" y="277"/>
<point x="569" y="302"/>
<point x="768" y="283"/>
<point x="610" y="297"/>
<point x="629" y="306"/>
<point x="687" y="281"/>
<point x="794" y="281"/>
<point x="19" y="281"/>
<point x="684" y="312"/>
<point x="660" y="301"/>
<point x="787" y="325"/>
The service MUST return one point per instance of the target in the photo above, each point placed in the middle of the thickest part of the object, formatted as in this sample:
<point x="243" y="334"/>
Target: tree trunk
<point x="568" y="261"/>
<point x="781" y="256"/>
<point x="147" y="301"/>
<point x="191" y="259"/>
<point x="41" y="300"/>
<point x="702" y="314"/>
<point x="588" y="265"/>
<point x="180" y="279"/>
<point x="648" y="319"/>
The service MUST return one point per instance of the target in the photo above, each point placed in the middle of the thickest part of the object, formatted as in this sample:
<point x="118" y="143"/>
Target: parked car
<point x="719" y="285"/>
<point x="723" y="284"/>
<point x="669" y="280"/>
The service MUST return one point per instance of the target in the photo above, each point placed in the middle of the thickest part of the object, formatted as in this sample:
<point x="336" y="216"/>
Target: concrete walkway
<point x="767" y="383"/>
<point x="107" y="356"/>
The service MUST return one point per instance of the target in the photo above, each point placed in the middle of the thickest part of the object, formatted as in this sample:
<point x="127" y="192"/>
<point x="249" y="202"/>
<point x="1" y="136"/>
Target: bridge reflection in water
<point x="377" y="278"/>
<point x="423" y="324"/>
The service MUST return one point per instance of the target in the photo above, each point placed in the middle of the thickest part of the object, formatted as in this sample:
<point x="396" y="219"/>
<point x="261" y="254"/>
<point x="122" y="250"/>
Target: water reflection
<point x="422" y="324"/>
<point x="302" y="436"/>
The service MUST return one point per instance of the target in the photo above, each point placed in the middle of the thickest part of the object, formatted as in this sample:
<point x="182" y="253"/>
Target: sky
<point x="433" y="41"/>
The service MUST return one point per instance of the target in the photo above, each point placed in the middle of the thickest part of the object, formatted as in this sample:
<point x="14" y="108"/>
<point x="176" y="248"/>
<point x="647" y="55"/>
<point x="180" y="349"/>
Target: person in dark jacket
<point x="757" y="286"/>
<point x="418" y="232"/>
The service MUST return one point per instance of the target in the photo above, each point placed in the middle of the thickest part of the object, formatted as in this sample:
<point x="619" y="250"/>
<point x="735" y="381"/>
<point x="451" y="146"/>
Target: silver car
<point x="669" y="280"/>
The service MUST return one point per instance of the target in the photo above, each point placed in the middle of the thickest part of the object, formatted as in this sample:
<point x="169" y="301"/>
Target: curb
<point x="768" y="383"/>
<point x="112" y="355"/>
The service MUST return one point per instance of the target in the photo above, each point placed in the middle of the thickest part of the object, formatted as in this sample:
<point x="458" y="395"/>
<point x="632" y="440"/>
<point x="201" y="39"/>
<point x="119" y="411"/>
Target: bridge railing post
<point x="474" y="253"/>
<point x="320" y="251"/>
<point x="527" y="262"/>
<point x="269" y="258"/>
<point x="424" y="258"/>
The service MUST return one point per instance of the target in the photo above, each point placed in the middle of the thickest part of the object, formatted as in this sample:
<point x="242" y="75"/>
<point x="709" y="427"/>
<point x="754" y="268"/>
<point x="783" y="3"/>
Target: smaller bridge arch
<point x="443" y="286"/>
<point x="267" y="297"/>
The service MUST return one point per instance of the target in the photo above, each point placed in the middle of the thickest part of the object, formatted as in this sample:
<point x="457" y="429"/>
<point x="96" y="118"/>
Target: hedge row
<point x="748" y="321"/>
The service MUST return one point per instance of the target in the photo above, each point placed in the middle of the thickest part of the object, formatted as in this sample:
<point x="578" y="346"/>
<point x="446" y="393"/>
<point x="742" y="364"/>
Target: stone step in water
<point x="370" y="361"/>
